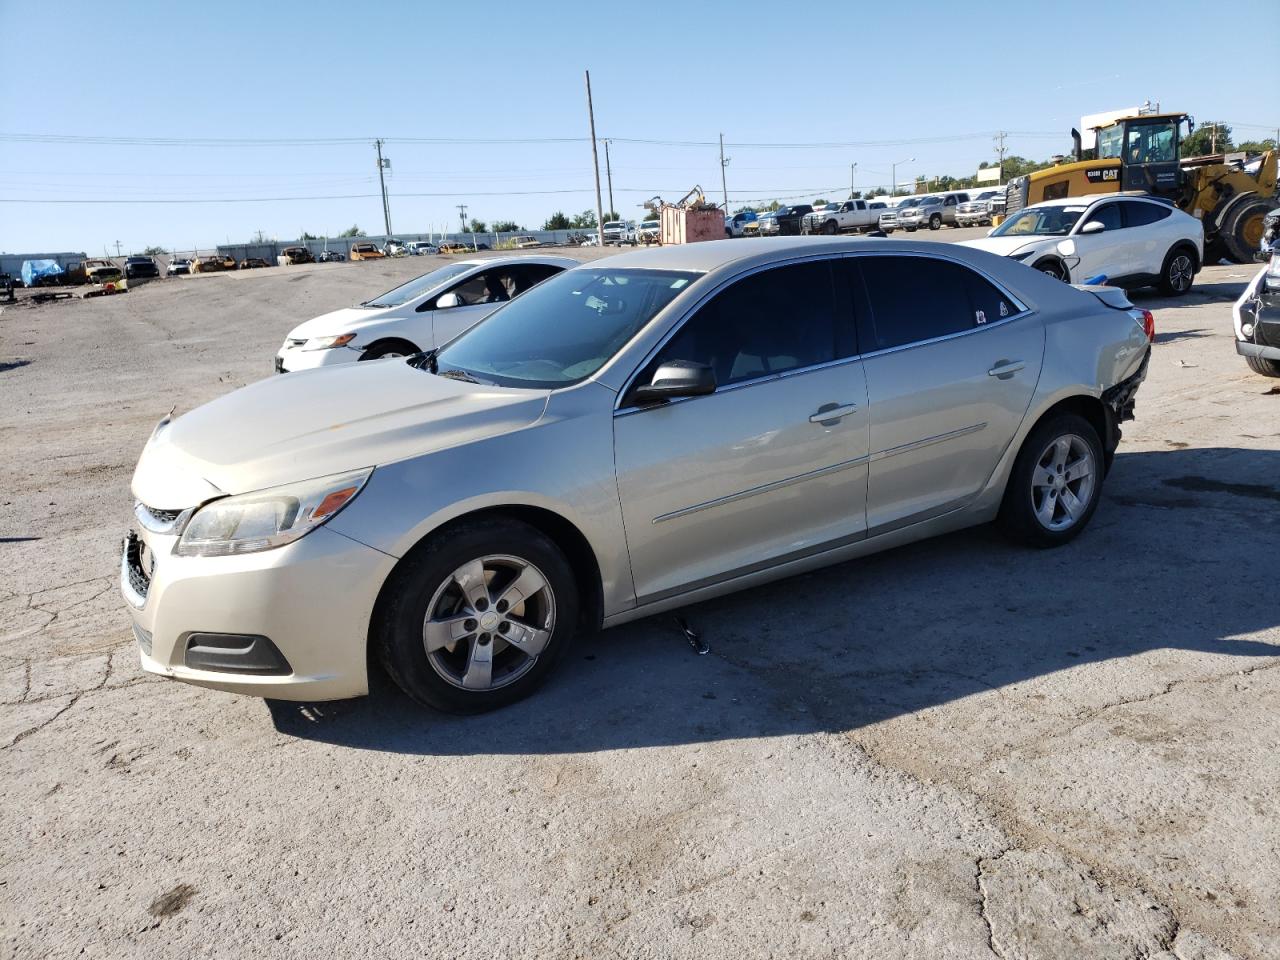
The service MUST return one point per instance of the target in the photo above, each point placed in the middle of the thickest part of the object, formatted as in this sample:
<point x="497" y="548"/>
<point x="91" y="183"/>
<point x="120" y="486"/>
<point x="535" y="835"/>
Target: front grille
<point x="139" y="579"/>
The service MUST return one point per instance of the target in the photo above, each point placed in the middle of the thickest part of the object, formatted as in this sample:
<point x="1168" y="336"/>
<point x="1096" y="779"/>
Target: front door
<point x="1106" y="253"/>
<point x="951" y="364"/>
<point x="773" y="465"/>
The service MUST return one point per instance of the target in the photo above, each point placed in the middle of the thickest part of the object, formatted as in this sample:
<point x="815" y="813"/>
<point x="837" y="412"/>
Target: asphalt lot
<point x="958" y="749"/>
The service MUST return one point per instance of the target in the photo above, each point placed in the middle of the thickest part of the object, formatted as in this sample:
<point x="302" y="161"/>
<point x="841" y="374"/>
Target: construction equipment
<point x="1229" y="194"/>
<point x="690" y="219"/>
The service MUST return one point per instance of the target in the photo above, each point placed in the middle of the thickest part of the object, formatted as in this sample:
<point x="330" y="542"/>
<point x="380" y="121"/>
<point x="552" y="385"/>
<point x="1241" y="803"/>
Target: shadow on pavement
<point x="1170" y="561"/>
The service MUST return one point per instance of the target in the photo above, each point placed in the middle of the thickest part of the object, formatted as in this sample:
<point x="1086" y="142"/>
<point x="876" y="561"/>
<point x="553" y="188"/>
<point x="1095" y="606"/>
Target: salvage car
<point x="650" y="231"/>
<point x="295" y="255"/>
<point x="331" y="256"/>
<point x="1257" y="320"/>
<point x="136" y="267"/>
<point x="366" y="251"/>
<point x="628" y="437"/>
<point x="213" y="264"/>
<point x="253" y="263"/>
<point x="787" y="220"/>
<point x="101" y="271"/>
<point x="421" y="248"/>
<point x="179" y="266"/>
<point x="424" y="313"/>
<point x="1131" y="240"/>
<point x="977" y="211"/>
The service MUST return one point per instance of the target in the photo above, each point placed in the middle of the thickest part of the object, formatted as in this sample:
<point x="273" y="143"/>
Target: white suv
<point x="422" y="314"/>
<point x="1132" y="241"/>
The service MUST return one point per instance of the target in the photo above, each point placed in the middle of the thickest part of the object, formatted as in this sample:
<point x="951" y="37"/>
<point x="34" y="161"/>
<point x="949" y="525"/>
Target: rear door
<point x="951" y="363"/>
<point x="1149" y="239"/>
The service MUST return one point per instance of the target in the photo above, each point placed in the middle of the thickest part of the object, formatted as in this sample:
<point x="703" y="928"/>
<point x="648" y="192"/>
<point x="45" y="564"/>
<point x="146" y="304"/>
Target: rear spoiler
<point x="1113" y="297"/>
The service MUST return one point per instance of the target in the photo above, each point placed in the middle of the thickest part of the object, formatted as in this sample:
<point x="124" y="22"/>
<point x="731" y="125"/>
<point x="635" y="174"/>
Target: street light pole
<point x="894" y="168"/>
<point x="595" y="162"/>
<point x="724" y="188"/>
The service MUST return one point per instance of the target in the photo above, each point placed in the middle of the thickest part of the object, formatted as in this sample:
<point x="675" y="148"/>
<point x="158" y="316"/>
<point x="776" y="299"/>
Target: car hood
<point x="1007" y="246"/>
<point x="317" y="422"/>
<point x="346" y="320"/>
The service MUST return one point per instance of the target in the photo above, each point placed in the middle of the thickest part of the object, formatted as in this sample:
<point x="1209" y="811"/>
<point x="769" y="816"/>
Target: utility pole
<point x="724" y="162"/>
<point x="595" y="163"/>
<point x="608" y="171"/>
<point x="853" y="176"/>
<point x="999" y="139"/>
<point x="462" y="216"/>
<point x="117" y="248"/>
<point x="893" y="191"/>
<point x="1213" y="139"/>
<point x="383" y="164"/>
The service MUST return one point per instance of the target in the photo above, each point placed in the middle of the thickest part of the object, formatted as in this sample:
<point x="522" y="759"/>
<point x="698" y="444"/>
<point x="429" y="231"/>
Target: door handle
<point x="1005" y="369"/>
<point x="831" y="412"/>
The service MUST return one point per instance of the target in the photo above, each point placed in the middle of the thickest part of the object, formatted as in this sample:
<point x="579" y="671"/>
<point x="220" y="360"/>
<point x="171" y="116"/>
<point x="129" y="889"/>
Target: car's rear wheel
<point x="935" y="221"/>
<point x="1264" y="365"/>
<point x="477" y="619"/>
<point x="1055" y="483"/>
<point x="1178" y="272"/>
<point x="829" y="228"/>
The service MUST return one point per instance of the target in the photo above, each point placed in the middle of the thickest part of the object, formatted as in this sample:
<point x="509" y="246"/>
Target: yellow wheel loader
<point x="1229" y="195"/>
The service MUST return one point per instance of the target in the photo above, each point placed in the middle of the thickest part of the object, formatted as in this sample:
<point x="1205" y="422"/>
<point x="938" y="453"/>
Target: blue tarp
<point x="32" y="270"/>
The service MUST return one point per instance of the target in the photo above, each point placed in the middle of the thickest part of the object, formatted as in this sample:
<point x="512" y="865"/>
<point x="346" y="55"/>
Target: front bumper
<point x="1246" y="349"/>
<point x="311" y="600"/>
<point x="289" y="360"/>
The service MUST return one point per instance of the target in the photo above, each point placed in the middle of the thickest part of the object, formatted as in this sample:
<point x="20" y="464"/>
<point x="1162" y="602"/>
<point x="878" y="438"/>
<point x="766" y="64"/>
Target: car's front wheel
<point x="1055" y="483"/>
<point x="389" y="348"/>
<point x="935" y="222"/>
<point x="1054" y="269"/>
<point x="1264" y="365"/>
<point x="477" y="618"/>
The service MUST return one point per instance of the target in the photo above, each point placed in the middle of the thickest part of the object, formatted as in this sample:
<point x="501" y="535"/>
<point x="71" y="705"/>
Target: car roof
<point x="545" y="259"/>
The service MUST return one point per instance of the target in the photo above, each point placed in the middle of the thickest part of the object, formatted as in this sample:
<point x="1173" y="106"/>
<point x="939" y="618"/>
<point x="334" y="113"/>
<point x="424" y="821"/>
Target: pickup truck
<point x="851" y="215"/>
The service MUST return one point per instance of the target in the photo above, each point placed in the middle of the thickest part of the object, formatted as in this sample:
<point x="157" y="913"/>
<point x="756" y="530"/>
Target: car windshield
<point x="911" y="202"/>
<point x="1039" y="222"/>
<point x="612" y="224"/>
<point x="649" y="224"/>
<point x="416" y="288"/>
<point x="564" y="329"/>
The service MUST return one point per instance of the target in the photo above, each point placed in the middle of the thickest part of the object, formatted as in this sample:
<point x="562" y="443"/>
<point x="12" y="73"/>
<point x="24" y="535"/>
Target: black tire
<point x="1242" y="229"/>
<point x="829" y="229"/>
<point x="935" y="221"/>
<point x="1178" y="272"/>
<point x="887" y="230"/>
<point x="389" y="348"/>
<point x="399" y="628"/>
<point x="1264" y="365"/>
<point x="1054" y="269"/>
<point x="911" y="229"/>
<point x="1018" y="518"/>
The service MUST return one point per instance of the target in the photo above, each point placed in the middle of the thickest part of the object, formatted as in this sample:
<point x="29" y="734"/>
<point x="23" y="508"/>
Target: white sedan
<point x="423" y="314"/>
<point x="1132" y="241"/>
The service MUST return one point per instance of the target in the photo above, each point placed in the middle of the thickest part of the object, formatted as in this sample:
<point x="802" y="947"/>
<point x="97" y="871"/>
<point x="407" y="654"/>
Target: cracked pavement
<point x="959" y="749"/>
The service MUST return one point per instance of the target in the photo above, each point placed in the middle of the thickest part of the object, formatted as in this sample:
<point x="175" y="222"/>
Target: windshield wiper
<point x="455" y="374"/>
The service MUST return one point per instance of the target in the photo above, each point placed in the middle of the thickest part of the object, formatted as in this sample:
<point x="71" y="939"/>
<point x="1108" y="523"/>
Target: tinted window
<point x="1108" y="215"/>
<point x="1140" y="214"/>
<point x="764" y="324"/>
<point x="529" y="274"/>
<point x="914" y="299"/>
<point x="989" y="305"/>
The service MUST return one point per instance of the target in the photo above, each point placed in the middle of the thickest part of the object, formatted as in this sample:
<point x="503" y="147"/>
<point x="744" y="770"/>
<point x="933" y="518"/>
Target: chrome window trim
<point x="1021" y="311"/>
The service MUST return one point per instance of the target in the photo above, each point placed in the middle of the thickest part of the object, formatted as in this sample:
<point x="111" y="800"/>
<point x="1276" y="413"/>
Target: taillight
<point x="1145" y="320"/>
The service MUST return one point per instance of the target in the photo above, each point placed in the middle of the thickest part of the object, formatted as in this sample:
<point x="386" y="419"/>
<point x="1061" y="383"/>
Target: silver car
<point x="630" y="436"/>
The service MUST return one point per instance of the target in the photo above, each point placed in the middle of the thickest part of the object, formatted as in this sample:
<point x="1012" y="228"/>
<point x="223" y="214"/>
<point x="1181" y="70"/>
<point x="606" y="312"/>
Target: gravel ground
<point x="959" y="749"/>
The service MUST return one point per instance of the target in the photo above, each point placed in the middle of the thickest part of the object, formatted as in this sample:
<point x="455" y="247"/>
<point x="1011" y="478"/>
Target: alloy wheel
<point x="1181" y="272"/>
<point x="1062" y="483"/>
<point x="488" y="623"/>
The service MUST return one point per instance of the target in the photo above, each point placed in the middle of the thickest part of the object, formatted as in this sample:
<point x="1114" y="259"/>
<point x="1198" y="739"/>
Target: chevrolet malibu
<point x="424" y="313"/>
<point x="628" y="437"/>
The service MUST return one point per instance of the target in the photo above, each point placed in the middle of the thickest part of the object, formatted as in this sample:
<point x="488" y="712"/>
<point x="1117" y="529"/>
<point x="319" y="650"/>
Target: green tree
<point x="1209" y="137"/>
<point x="352" y="231"/>
<point x="477" y="226"/>
<point x="155" y="251"/>
<point x="820" y="201"/>
<point x="1257" y="146"/>
<point x="586" y="220"/>
<point x="557" y="221"/>
<point x="506" y="226"/>
<point x="308" y="236"/>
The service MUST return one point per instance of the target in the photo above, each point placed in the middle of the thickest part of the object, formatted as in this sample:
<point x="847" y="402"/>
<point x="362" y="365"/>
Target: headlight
<point x="327" y="343"/>
<point x="251" y="522"/>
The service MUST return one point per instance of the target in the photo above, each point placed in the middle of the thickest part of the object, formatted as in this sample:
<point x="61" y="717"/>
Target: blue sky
<point x="760" y="72"/>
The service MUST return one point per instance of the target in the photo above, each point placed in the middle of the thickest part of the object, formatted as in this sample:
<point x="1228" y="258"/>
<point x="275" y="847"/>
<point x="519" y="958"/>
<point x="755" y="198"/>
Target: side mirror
<point x="676" y="378"/>
<point x="1093" y="226"/>
<point x="448" y="300"/>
